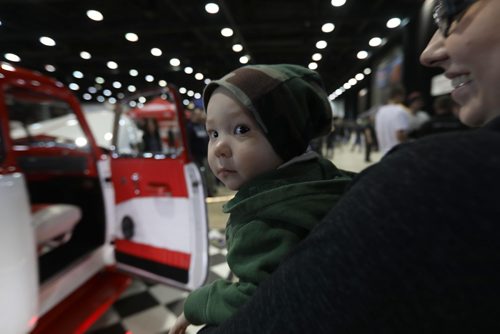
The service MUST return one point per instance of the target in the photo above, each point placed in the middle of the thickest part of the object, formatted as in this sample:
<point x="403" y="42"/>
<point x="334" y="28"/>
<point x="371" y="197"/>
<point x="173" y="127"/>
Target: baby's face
<point x="238" y="151"/>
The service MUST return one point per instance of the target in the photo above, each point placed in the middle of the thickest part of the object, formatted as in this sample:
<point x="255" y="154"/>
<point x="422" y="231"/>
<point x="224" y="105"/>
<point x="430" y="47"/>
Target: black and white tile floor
<point x="146" y="308"/>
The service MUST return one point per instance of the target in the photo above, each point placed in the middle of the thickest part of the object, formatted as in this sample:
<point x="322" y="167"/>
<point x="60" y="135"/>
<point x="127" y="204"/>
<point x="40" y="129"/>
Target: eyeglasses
<point x="448" y="11"/>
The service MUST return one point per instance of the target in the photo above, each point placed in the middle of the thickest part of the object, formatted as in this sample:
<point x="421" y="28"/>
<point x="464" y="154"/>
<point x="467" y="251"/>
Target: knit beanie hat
<point x="288" y="102"/>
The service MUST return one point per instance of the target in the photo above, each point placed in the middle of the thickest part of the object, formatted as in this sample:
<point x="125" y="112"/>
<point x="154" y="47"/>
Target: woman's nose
<point x="435" y="52"/>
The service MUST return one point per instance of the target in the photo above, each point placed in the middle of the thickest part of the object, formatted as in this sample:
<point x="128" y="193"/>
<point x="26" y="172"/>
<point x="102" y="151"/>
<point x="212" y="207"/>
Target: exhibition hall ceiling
<point x="181" y="43"/>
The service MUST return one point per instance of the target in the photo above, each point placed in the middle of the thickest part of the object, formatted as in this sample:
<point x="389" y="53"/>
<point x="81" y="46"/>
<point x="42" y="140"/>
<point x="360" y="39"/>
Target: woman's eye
<point x="241" y="129"/>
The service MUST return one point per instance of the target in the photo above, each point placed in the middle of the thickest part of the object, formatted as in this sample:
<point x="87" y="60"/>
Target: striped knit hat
<point x="288" y="102"/>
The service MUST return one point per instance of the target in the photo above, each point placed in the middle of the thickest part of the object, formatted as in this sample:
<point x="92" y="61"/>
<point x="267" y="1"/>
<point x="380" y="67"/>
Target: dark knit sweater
<point x="412" y="247"/>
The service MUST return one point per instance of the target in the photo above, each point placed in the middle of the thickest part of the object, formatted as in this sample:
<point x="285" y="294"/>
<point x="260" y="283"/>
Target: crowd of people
<point x="401" y="119"/>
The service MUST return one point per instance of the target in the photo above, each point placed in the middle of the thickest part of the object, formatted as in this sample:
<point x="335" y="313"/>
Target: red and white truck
<point x="78" y="210"/>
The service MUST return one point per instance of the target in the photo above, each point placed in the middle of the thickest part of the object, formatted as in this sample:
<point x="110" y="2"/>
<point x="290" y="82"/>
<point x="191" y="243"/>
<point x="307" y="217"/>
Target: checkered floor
<point x="146" y="308"/>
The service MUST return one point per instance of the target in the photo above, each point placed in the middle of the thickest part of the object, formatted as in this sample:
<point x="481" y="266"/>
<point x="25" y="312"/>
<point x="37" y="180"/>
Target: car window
<point x="42" y="120"/>
<point x="150" y="126"/>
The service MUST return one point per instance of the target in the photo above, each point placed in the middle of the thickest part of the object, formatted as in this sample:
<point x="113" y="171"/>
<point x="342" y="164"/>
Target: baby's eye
<point x="212" y="134"/>
<point x="241" y="129"/>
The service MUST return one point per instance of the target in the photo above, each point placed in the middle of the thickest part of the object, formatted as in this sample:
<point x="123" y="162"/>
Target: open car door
<point x="161" y="219"/>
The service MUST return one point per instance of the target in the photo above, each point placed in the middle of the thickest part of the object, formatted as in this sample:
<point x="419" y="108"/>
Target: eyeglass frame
<point x="447" y="11"/>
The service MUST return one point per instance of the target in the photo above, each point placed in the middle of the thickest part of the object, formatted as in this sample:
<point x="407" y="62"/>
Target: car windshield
<point x="41" y="120"/>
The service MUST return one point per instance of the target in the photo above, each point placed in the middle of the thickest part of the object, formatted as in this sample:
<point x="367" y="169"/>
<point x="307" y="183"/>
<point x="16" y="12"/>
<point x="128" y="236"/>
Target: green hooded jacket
<point x="269" y="216"/>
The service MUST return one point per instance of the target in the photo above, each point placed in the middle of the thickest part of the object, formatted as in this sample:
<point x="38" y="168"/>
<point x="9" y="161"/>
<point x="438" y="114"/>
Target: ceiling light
<point x="132" y="104"/>
<point x="78" y="74"/>
<point x="131" y="88"/>
<point x="212" y="8"/>
<point x="359" y="76"/>
<point x="162" y="83"/>
<point x="207" y="81"/>
<point x="142" y="99"/>
<point x="244" y="59"/>
<point x="149" y="78"/>
<point x="338" y="3"/>
<point x="190" y="93"/>
<point x="188" y="70"/>
<point x="95" y="15"/>
<point x="346" y="85"/>
<point x="198" y="76"/>
<point x="47" y="41"/>
<point x="321" y="44"/>
<point x="393" y="23"/>
<point x="182" y="90"/>
<point x="50" y="68"/>
<point x="185" y="102"/>
<point x="106" y="92"/>
<point x="226" y="32"/>
<point x="237" y="47"/>
<point x="87" y="96"/>
<point x="328" y="27"/>
<point x="175" y="62"/>
<point x="99" y="80"/>
<point x="7" y="67"/>
<point x="12" y="57"/>
<point x="362" y="55"/>
<point x="352" y="82"/>
<point x="112" y="100"/>
<point x="92" y="90"/>
<point x="133" y="73"/>
<point x="112" y="65"/>
<point x="117" y="84"/>
<point x="101" y="99"/>
<point x="197" y="96"/>
<point x="375" y="41"/>
<point x="131" y="37"/>
<point x="156" y="52"/>
<point x="317" y="57"/>
<point x="85" y="55"/>
<point x="73" y="86"/>
<point x="367" y="71"/>
<point x="312" y="65"/>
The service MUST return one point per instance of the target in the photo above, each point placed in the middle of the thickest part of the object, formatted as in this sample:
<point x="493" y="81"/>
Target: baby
<point x="260" y="120"/>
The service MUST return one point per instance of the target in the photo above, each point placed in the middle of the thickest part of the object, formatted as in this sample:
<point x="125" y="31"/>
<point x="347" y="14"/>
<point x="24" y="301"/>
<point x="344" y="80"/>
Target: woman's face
<point x="470" y="57"/>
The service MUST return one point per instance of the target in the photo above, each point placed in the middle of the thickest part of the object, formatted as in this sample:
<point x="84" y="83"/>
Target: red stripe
<point x="169" y="257"/>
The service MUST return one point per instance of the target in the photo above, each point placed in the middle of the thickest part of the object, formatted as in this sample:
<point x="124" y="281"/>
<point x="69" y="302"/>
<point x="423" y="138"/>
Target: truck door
<point x="161" y="220"/>
<point x="18" y="267"/>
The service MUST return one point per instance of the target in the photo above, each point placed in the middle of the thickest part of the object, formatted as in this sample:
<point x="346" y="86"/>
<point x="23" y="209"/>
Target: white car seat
<point x="54" y="224"/>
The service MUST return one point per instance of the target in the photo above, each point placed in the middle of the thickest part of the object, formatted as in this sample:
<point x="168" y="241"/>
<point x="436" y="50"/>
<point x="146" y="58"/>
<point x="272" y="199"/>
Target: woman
<point x="467" y="47"/>
<point x="413" y="246"/>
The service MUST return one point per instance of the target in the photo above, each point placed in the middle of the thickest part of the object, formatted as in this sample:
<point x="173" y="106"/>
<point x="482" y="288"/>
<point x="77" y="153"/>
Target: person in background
<point x="151" y="136"/>
<point x="369" y="135"/>
<point x="198" y="146"/>
<point x="330" y="141"/>
<point x="417" y="116"/>
<point x="260" y="120"/>
<point x="444" y="119"/>
<point x="412" y="246"/>
<point x="392" y="120"/>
